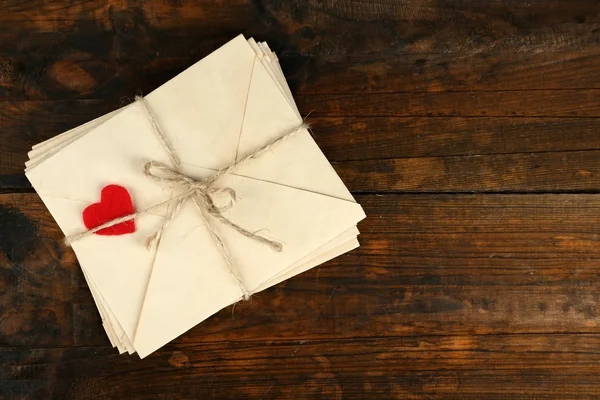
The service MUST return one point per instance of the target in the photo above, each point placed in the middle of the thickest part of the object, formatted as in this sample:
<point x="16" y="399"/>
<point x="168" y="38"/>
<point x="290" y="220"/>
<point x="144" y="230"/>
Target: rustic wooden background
<point x="468" y="129"/>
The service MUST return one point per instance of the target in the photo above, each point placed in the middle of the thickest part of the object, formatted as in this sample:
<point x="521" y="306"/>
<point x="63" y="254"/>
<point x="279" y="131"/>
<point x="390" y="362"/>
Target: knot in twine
<point x="200" y="191"/>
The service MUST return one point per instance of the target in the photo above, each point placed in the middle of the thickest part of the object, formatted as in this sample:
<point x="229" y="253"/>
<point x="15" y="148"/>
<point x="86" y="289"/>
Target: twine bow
<point x="200" y="191"/>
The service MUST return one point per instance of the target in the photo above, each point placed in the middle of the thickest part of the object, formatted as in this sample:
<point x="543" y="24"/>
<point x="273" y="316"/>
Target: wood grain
<point x="450" y="367"/>
<point x="447" y="291"/>
<point x="539" y="103"/>
<point x="375" y="138"/>
<point x="468" y="130"/>
<point x="441" y="264"/>
<point x="41" y="77"/>
<point x="327" y="47"/>
<point x="531" y="172"/>
<point x="390" y="154"/>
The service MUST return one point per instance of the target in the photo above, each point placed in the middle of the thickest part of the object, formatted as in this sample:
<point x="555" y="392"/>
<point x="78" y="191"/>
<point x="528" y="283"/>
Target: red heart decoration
<point x="115" y="202"/>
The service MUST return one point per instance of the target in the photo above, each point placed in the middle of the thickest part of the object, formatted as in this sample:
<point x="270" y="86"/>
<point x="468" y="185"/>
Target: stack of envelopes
<point x="224" y="107"/>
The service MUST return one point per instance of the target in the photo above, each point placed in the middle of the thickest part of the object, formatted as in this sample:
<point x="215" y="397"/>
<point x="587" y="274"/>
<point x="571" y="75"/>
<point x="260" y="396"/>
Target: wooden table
<point x="470" y="132"/>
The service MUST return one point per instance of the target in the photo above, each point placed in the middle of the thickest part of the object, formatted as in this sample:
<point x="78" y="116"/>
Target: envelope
<point x="334" y="248"/>
<point x="219" y="110"/>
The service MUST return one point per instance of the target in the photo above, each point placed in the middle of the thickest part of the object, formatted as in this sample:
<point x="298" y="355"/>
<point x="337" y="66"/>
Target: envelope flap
<point x="191" y="276"/>
<point x="301" y="220"/>
<point x="119" y="266"/>
<point x="189" y="282"/>
<point x="297" y="162"/>
<point x="201" y="110"/>
<point x="113" y="153"/>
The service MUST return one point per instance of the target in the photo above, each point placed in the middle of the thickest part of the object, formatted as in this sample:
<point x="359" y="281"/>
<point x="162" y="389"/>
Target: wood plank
<point x="428" y="265"/>
<point x="48" y="15"/>
<point x="365" y="138"/>
<point x="430" y="72"/>
<point x="76" y="74"/>
<point x="98" y="48"/>
<point x="574" y="172"/>
<point x="532" y="172"/>
<point x="325" y="28"/>
<point x="536" y="103"/>
<point x="564" y="172"/>
<point x="529" y="103"/>
<point x="450" y="367"/>
<point x="352" y="138"/>
<point x="441" y="154"/>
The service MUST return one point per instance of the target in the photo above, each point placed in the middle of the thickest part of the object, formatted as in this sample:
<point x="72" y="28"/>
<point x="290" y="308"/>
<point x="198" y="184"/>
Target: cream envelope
<point x="341" y="244"/>
<point x="220" y="109"/>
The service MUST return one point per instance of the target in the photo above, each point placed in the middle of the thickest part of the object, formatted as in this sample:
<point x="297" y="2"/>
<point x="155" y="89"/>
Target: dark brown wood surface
<point x="468" y="129"/>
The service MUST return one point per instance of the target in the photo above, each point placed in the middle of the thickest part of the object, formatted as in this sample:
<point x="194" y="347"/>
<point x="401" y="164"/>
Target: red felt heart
<point x="115" y="202"/>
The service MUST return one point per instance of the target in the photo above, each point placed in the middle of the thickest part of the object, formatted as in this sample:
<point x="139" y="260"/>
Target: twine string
<point x="200" y="191"/>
